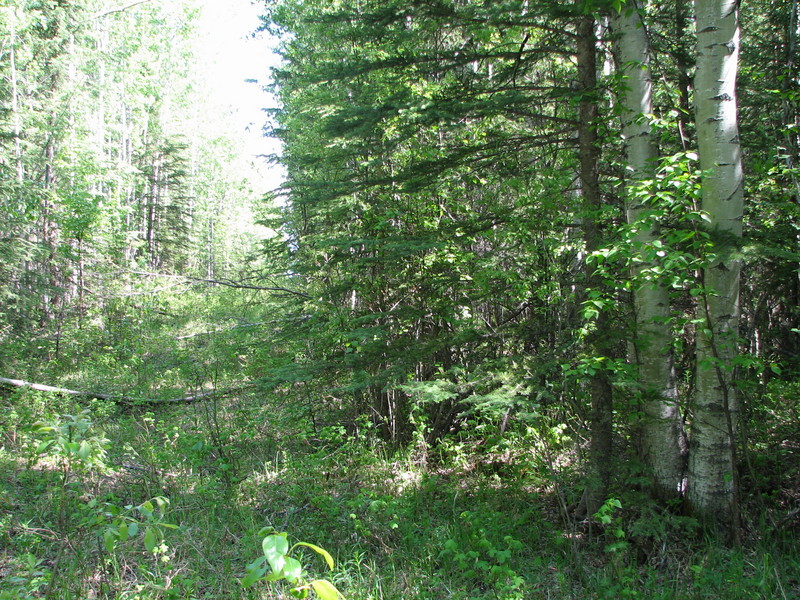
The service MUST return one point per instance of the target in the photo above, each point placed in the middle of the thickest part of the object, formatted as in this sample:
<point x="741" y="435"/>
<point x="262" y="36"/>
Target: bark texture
<point x="662" y="443"/>
<point x="600" y="390"/>
<point x="712" y="489"/>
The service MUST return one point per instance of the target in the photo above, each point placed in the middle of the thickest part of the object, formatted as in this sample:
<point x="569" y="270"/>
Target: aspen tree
<point x="711" y="487"/>
<point x="661" y="441"/>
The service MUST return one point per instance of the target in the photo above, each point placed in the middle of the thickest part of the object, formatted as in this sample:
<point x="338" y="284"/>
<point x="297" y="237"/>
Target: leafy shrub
<point x="479" y="556"/>
<point x="283" y="567"/>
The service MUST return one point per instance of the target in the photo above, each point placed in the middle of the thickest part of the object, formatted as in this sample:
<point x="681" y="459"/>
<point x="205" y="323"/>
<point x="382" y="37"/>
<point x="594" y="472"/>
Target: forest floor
<point x="101" y="499"/>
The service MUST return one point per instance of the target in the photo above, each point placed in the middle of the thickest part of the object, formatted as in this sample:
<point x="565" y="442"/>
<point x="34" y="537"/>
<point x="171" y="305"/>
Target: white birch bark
<point x="661" y="441"/>
<point x="711" y="491"/>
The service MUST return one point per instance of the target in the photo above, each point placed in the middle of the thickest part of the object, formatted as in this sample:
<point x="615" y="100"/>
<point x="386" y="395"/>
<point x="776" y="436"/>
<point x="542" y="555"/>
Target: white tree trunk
<point x="661" y="443"/>
<point x="711" y="491"/>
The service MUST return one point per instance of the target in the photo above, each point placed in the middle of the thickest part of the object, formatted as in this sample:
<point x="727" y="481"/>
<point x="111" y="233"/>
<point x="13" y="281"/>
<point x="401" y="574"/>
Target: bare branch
<point x="115" y="398"/>
<point x="227" y="283"/>
<point x="247" y="286"/>
<point x="119" y="9"/>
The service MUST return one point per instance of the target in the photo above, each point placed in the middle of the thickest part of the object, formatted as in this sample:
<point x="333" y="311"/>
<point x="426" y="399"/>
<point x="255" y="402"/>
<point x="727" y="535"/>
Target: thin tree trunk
<point x="712" y="479"/>
<point x="17" y="126"/>
<point x="49" y="227"/>
<point x="662" y="443"/>
<point x="152" y="206"/>
<point x="682" y="62"/>
<point x="600" y="390"/>
<point x="791" y="123"/>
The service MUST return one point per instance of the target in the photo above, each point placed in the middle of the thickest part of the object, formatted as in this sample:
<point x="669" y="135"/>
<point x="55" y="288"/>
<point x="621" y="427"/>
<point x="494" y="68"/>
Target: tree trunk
<point x="17" y="131"/>
<point x="600" y="390"/>
<point x="662" y="443"/>
<point x="712" y="480"/>
<point x="683" y="64"/>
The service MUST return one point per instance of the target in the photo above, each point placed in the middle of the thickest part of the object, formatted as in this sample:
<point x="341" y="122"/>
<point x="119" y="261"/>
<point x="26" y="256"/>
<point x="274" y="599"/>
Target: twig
<point x="119" y="9"/>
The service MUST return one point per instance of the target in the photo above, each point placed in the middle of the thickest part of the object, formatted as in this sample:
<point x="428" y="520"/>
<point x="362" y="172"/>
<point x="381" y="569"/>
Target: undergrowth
<point x="127" y="500"/>
<point x="101" y="501"/>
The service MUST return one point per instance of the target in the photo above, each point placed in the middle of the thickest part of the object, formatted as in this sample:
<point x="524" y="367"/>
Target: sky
<point x="234" y="54"/>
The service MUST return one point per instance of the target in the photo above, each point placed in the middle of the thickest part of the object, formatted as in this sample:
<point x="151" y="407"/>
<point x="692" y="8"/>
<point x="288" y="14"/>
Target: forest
<point x="511" y="312"/>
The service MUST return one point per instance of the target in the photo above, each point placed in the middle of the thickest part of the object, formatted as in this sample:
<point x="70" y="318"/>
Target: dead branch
<point x="226" y="282"/>
<point x="112" y="397"/>
<point x="119" y="9"/>
<point x="247" y="286"/>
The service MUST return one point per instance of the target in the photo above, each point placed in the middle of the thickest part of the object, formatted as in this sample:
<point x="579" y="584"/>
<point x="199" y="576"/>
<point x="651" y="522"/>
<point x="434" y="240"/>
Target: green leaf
<point x="84" y="450"/>
<point x="321" y="551"/>
<point x="255" y="571"/>
<point x="124" y="531"/>
<point x="133" y="528"/>
<point x="110" y="539"/>
<point x="292" y="569"/>
<point x="325" y="589"/>
<point x="42" y="448"/>
<point x="275" y="548"/>
<point x="150" y="539"/>
<point x="146" y="508"/>
<point x="257" y="563"/>
<point x="250" y="578"/>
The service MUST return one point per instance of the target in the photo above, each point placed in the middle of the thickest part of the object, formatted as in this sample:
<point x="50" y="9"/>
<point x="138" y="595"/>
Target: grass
<point x="473" y="518"/>
<point x="398" y="528"/>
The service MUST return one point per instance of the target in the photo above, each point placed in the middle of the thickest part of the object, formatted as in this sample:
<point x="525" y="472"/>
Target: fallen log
<point x="113" y="397"/>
